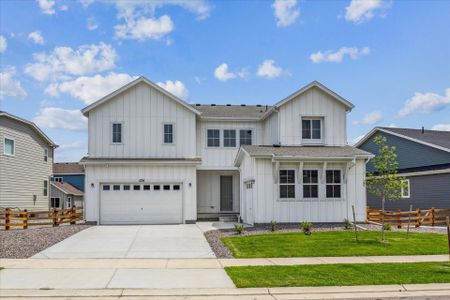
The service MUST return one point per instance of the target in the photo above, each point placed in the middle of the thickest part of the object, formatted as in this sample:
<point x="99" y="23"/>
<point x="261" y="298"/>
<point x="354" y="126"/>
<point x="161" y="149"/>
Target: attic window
<point x="312" y="130"/>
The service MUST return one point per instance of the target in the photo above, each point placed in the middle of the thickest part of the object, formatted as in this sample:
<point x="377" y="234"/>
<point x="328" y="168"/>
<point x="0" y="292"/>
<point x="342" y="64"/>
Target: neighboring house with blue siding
<point x="424" y="160"/>
<point x="69" y="172"/>
<point x="67" y="188"/>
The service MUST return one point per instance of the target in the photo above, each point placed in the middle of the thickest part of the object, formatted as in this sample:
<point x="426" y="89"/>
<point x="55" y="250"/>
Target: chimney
<point x="423" y="130"/>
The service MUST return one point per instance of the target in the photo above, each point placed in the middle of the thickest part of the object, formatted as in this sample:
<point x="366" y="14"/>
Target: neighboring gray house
<point x="424" y="159"/>
<point x="65" y="195"/>
<point x="26" y="159"/>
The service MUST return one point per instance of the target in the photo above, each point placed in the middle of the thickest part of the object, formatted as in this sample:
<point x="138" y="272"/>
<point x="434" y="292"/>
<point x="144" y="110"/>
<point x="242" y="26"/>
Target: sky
<point x="391" y="59"/>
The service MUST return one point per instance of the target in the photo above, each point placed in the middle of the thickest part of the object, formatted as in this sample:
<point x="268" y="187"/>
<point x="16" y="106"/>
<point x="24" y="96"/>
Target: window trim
<point x="164" y="133"/>
<point x="45" y="154"/>
<point x="334" y="184"/>
<point x="322" y="130"/>
<point x="246" y="129"/>
<point x="219" y="138"/>
<point x="402" y="190"/>
<point x="13" y="148"/>
<point x="287" y="184"/>
<point x="235" y="138"/>
<point x="121" y="133"/>
<point x="309" y="184"/>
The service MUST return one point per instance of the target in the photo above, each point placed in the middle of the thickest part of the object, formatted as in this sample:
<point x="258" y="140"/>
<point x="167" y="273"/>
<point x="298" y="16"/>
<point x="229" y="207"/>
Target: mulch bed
<point x="24" y="243"/>
<point x="221" y="251"/>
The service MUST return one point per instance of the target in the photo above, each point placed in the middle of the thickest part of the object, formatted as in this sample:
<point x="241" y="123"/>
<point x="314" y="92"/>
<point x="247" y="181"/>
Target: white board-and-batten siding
<point x="22" y="175"/>
<point x="313" y="103"/>
<point x="142" y="111"/>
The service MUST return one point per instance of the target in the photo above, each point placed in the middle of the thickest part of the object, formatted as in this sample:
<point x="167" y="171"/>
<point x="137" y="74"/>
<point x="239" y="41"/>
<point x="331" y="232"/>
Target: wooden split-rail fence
<point x="23" y="218"/>
<point x="417" y="218"/>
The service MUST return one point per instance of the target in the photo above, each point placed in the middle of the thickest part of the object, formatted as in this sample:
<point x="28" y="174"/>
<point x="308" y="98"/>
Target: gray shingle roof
<point x="68" y="168"/>
<point x="305" y="151"/>
<point x="435" y="137"/>
<point x="67" y="188"/>
<point x="231" y="111"/>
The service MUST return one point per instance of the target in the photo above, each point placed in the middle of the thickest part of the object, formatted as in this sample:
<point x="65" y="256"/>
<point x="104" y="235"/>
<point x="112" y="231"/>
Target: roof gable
<point x="128" y="86"/>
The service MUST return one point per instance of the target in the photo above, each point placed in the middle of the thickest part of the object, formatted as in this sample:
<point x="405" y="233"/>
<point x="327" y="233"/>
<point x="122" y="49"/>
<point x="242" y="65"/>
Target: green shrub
<point x="387" y="226"/>
<point x="239" y="228"/>
<point x="306" y="227"/>
<point x="347" y="224"/>
<point x="273" y="226"/>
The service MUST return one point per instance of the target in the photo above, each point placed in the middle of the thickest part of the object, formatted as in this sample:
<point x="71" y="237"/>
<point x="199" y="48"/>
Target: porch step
<point x="228" y="218"/>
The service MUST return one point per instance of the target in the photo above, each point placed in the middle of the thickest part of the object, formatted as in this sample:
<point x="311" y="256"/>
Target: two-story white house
<point x="154" y="159"/>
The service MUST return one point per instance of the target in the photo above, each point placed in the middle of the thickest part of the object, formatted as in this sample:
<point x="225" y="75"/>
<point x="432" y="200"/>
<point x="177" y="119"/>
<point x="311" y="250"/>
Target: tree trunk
<point x="382" y="218"/>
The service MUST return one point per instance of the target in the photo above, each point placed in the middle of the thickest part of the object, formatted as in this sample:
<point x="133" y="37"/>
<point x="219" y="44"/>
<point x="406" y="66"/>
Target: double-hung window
<point x="333" y="178"/>
<point x="405" y="190"/>
<point x="312" y="129"/>
<point x="229" y="138"/>
<point x="213" y="137"/>
<point x="168" y="133"/>
<point x="8" y="147"/>
<point x="310" y="184"/>
<point x="54" y="202"/>
<point x="245" y="137"/>
<point x="287" y="184"/>
<point x="117" y="133"/>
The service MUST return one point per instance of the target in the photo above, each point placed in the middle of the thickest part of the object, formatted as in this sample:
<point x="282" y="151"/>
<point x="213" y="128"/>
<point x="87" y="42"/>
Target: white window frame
<point x="287" y="184"/>
<point x="112" y="133"/>
<point x="53" y="199"/>
<point x="58" y="179"/>
<point x="408" y="188"/>
<point x="207" y="145"/>
<point x="13" y="148"/>
<point x="45" y="154"/>
<point x="164" y="133"/>
<point x="309" y="184"/>
<point x="69" y="202"/>
<point x="322" y="133"/>
<point x="252" y="133"/>
<point x="333" y="183"/>
<point x="235" y="138"/>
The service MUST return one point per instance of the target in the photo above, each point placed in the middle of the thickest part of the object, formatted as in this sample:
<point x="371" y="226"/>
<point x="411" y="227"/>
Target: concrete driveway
<point x="129" y="241"/>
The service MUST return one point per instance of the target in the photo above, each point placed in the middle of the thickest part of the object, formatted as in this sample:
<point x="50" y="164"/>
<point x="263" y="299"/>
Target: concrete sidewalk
<point x="409" y="291"/>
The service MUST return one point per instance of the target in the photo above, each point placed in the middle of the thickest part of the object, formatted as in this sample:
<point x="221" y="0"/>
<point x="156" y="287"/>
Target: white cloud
<point x="269" y="70"/>
<point x="286" y="12"/>
<point x="145" y="28"/>
<point x="63" y="7"/>
<point x="370" y="118"/>
<point x="3" y="44"/>
<point x="176" y="88"/>
<point x="338" y="56"/>
<point x="223" y="74"/>
<point x="90" y="89"/>
<point x="36" y="37"/>
<point x="359" y="11"/>
<point x="60" y="118"/>
<point x="199" y="79"/>
<point x="442" y="127"/>
<point x="356" y="139"/>
<point x="47" y="6"/>
<point x="91" y="24"/>
<point x="65" y="61"/>
<point x="425" y="102"/>
<point x="9" y="86"/>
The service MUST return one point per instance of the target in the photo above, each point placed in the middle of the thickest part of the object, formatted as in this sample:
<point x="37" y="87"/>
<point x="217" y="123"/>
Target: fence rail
<point x="418" y="217"/>
<point x="24" y="218"/>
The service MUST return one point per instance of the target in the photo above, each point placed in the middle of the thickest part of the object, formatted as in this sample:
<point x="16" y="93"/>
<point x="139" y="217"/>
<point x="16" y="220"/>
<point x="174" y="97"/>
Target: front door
<point x="226" y="193"/>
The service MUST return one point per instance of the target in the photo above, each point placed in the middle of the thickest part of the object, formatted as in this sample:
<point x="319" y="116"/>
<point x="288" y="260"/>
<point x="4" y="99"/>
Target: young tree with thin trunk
<point x="384" y="181"/>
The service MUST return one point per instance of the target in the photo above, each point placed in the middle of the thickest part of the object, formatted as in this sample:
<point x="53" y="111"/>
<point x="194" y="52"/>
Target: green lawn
<point x="340" y="274"/>
<point x="335" y="243"/>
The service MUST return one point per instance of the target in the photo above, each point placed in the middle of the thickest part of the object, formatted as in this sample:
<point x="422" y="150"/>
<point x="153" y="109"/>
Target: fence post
<point x="55" y="217"/>
<point x="72" y="215"/>
<point x="432" y="217"/>
<point x="399" y="219"/>
<point x="367" y="214"/>
<point x="25" y="222"/>
<point x="6" y="219"/>
<point x="418" y="218"/>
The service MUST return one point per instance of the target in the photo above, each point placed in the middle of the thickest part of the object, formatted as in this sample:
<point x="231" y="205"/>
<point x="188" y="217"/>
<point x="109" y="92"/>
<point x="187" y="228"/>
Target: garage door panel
<point x="141" y="206"/>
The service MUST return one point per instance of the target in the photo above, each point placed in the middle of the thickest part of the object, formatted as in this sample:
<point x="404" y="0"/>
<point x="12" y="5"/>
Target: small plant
<point x="347" y="224"/>
<point x="273" y="226"/>
<point x="306" y="227"/>
<point x="239" y="228"/>
<point x="387" y="226"/>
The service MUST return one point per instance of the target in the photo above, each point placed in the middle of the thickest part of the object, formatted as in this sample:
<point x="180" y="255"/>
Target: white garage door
<point x="141" y="203"/>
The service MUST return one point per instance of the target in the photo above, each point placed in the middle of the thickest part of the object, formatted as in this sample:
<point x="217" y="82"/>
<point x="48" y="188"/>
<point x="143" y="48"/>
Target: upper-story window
<point x="213" y="136"/>
<point x="117" y="133"/>
<point x="45" y="191"/>
<point x="229" y="138"/>
<point x="8" y="147"/>
<point x="168" y="133"/>
<point x="312" y="130"/>
<point x="45" y="154"/>
<point x="245" y="137"/>
<point x="58" y="179"/>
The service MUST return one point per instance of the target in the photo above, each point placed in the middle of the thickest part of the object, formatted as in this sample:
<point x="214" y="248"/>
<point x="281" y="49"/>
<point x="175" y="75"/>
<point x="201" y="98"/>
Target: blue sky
<point x="390" y="58"/>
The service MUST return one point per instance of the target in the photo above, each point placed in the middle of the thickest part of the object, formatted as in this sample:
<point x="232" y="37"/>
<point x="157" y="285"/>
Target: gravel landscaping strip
<point x="221" y="251"/>
<point x="24" y="243"/>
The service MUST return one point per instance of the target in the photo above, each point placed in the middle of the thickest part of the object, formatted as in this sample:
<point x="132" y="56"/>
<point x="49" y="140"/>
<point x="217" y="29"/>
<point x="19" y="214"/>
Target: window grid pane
<point x="213" y="136"/>
<point x="168" y="133"/>
<point x="310" y="184"/>
<point x="287" y="184"/>
<point x="229" y="138"/>
<point x="306" y="129"/>
<point x="117" y="132"/>
<point x="333" y="183"/>
<point x="245" y="137"/>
